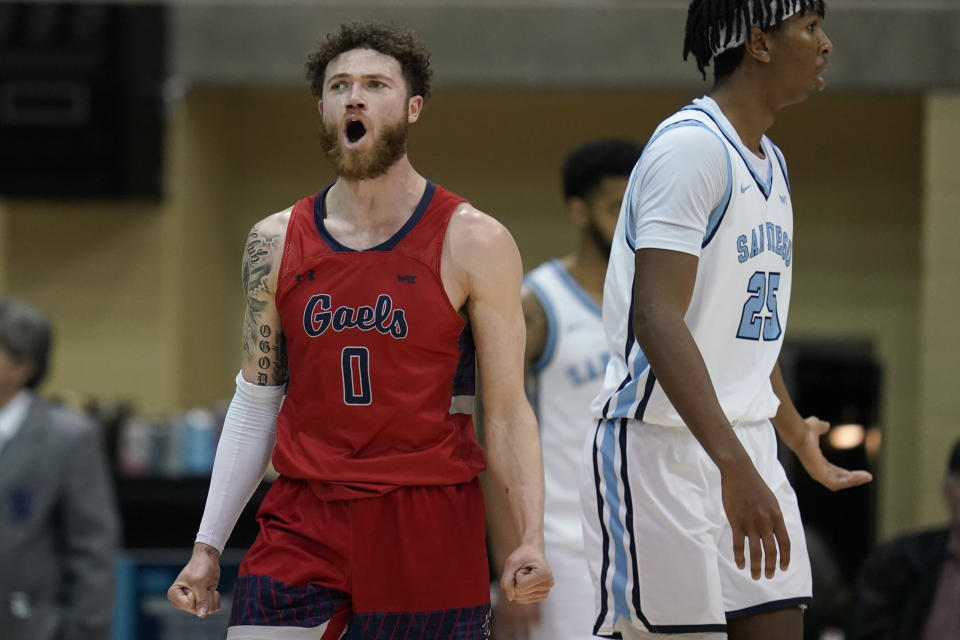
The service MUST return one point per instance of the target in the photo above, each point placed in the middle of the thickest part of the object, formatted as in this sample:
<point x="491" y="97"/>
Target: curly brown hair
<point x="403" y="45"/>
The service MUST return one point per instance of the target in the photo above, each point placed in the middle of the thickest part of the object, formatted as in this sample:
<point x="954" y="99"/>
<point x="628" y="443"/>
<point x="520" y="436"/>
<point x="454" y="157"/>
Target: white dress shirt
<point x="13" y="414"/>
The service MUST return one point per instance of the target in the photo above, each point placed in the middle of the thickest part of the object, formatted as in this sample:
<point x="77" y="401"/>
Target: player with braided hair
<point x="718" y="29"/>
<point x="681" y="474"/>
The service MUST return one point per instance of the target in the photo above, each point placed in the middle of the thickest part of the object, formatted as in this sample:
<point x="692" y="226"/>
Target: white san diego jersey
<point x="698" y="190"/>
<point x="564" y="381"/>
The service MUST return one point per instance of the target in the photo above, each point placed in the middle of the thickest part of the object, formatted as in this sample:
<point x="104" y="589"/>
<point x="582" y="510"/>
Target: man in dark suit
<point x="59" y="527"/>
<point x="909" y="588"/>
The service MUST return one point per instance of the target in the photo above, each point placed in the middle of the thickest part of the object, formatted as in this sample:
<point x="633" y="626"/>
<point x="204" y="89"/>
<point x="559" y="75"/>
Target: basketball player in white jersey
<point x="565" y="357"/>
<point x="691" y="527"/>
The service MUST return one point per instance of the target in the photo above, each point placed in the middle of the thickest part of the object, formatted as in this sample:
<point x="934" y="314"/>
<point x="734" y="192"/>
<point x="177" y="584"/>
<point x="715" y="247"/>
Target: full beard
<point x="353" y="164"/>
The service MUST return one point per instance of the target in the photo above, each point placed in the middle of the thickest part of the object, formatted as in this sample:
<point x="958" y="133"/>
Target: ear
<point x="414" y="107"/>
<point x="23" y="370"/>
<point x="320" y="106"/>
<point x="758" y="45"/>
<point x="577" y="207"/>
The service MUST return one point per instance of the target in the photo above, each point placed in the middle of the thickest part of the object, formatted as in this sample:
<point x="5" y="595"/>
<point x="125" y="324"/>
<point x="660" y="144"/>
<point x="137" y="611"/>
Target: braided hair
<point x="712" y="23"/>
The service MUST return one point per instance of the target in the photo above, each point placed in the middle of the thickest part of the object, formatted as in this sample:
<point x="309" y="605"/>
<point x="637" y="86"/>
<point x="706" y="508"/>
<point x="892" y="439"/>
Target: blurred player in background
<point x="564" y="361"/>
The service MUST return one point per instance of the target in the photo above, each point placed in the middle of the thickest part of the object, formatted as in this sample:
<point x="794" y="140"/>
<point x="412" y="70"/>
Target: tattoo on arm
<point x="256" y="262"/>
<point x="254" y="313"/>
<point x="259" y="338"/>
<point x="280" y="370"/>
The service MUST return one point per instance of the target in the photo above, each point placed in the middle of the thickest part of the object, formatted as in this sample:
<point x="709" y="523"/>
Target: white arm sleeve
<point x="243" y="453"/>
<point x="681" y="178"/>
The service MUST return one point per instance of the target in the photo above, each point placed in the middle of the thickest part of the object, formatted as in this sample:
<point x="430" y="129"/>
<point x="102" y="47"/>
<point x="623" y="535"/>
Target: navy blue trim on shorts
<point x="769" y="606"/>
<point x="671" y="629"/>
<point x="628" y="502"/>
<point x="603" y="530"/>
<point x="688" y="628"/>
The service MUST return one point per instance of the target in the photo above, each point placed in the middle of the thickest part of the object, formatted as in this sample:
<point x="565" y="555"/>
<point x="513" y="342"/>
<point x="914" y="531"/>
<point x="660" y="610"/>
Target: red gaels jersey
<point x="381" y="365"/>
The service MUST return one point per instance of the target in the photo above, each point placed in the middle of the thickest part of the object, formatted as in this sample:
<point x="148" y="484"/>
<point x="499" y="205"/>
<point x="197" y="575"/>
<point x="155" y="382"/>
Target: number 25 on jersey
<point x="759" y="318"/>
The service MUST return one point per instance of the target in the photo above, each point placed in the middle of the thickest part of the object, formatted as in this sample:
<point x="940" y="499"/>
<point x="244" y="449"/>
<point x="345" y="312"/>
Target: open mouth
<point x="355" y="130"/>
<point x="820" y="82"/>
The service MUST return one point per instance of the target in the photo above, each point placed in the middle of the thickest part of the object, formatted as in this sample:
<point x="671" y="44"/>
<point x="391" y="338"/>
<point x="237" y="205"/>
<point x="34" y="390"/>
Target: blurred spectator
<point x="831" y="592"/>
<point x="910" y="588"/>
<point x="58" y="519"/>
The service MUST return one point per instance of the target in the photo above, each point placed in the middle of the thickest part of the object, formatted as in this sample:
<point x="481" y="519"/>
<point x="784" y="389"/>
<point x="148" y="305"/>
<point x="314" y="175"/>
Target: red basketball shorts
<point x="408" y="564"/>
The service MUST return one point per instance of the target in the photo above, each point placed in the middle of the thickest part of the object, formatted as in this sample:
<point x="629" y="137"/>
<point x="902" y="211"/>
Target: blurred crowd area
<point x="177" y="445"/>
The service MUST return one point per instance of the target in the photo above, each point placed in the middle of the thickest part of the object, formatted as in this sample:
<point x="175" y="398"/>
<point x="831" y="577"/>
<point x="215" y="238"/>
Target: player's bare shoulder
<point x="479" y="254"/>
<point x="262" y="254"/>
<point x="479" y="244"/>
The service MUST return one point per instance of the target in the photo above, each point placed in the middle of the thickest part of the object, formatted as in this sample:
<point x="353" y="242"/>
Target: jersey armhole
<point x="285" y="259"/>
<point x="550" y="342"/>
<point x="716" y="215"/>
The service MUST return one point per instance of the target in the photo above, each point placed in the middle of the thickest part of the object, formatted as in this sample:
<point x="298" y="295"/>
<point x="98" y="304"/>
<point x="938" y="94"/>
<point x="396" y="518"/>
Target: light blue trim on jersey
<point x="552" y="326"/>
<point x="578" y="292"/>
<point x="734" y="139"/>
<point x="783" y="165"/>
<point x="618" y="583"/>
<point x="631" y="389"/>
<point x="716" y="216"/>
<point x="628" y="203"/>
<point x="628" y="198"/>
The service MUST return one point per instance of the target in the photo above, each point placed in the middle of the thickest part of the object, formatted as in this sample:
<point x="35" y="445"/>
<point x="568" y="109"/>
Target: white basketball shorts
<point x="658" y="544"/>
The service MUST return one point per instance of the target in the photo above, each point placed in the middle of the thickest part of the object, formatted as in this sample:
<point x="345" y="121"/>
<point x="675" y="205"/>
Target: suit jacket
<point x="896" y="587"/>
<point x="59" y="530"/>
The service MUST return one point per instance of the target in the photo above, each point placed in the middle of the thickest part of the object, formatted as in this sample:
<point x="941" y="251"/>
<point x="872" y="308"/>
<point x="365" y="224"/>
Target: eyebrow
<point x="366" y="76"/>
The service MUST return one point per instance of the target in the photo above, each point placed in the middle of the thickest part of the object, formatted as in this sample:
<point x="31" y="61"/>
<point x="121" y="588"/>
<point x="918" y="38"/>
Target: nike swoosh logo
<point x="745" y="189"/>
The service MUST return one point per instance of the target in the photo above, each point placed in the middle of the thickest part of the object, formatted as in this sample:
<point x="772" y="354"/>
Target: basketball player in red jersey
<point x="368" y="301"/>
